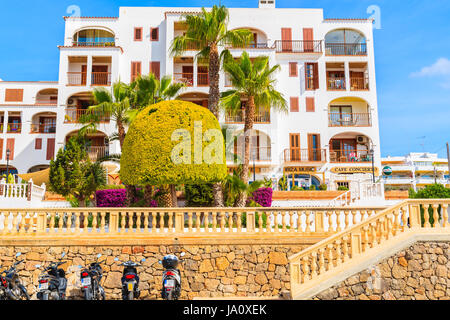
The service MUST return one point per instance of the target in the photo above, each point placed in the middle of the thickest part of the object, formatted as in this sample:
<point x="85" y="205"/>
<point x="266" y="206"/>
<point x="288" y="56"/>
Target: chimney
<point x="267" y="4"/>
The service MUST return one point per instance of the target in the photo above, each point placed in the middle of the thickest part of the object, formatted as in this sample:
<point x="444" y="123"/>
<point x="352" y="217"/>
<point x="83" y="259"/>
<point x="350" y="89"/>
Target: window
<point x="312" y="76"/>
<point x="154" y="34"/>
<point x="341" y="115"/>
<point x="38" y="144"/>
<point x="14" y="95"/>
<point x="137" y="34"/>
<point x="295" y="104"/>
<point x="155" y="68"/>
<point x="314" y="151"/>
<point x="293" y="69"/>
<point x="50" y="149"/>
<point x="136" y="70"/>
<point x="10" y="147"/>
<point x="310" y="105"/>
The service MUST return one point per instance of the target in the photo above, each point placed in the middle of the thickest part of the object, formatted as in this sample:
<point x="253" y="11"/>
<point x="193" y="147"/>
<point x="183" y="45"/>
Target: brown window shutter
<point x="13" y="95"/>
<point x="155" y="68"/>
<point x="310" y="105"/>
<point x="10" y="147"/>
<point x="294" y="143"/>
<point x="137" y="34"/>
<point x="308" y="39"/>
<point x="286" y="37"/>
<point x="50" y="149"/>
<point x="154" y="34"/>
<point x="316" y="75"/>
<point x="293" y="69"/>
<point x="1" y="149"/>
<point x="135" y="70"/>
<point x="38" y="144"/>
<point x="295" y="104"/>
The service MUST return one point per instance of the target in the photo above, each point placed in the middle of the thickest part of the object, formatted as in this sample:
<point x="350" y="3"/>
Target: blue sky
<point x="412" y="56"/>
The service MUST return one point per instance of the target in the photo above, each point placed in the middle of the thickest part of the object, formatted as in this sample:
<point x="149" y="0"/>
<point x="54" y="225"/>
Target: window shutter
<point x="137" y="34"/>
<point x="13" y="95"/>
<point x="10" y="146"/>
<point x="1" y="149"/>
<point x="38" y="144"/>
<point x="295" y="104"/>
<point x="310" y="105"/>
<point x="286" y="37"/>
<point x="50" y="149"/>
<point x="308" y="39"/>
<point x="155" y="68"/>
<point x="154" y="34"/>
<point x="293" y="69"/>
<point x="316" y="75"/>
<point x="135" y="70"/>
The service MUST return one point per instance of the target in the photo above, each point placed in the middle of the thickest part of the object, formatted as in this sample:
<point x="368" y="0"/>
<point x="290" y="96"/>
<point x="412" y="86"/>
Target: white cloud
<point x="440" y="68"/>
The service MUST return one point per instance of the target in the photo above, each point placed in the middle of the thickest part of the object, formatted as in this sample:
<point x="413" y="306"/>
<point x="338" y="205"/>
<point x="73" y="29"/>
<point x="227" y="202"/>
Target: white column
<point x="89" y="71"/>
<point x="5" y="125"/>
<point x="347" y="76"/>
<point x="195" y="73"/>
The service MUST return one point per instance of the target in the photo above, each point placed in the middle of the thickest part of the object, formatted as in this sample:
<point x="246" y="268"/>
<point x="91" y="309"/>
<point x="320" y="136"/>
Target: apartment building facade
<point x="416" y="170"/>
<point x="329" y="133"/>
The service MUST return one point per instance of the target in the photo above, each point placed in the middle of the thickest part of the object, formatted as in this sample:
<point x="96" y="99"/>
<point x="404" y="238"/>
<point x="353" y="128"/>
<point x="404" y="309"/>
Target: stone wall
<point x="421" y="272"/>
<point x="208" y="270"/>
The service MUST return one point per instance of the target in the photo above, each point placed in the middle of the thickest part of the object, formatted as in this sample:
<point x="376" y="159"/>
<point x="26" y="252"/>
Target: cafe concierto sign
<point x="354" y="170"/>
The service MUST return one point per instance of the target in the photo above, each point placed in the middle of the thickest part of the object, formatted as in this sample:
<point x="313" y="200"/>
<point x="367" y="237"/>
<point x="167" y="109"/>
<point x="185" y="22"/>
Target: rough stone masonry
<point x="207" y="271"/>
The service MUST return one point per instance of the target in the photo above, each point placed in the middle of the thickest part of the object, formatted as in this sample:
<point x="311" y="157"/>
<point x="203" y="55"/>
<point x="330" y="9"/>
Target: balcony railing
<point x="257" y="154"/>
<point x="14" y="128"/>
<point x="298" y="46"/>
<point x="336" y="84"/>
<point x="96" y="153"/>
<point x="46" y="102"/>
<point x="74" y="116"/>
<point x="346" y="49"/>
<point x="305" y="155"/>
<point x="101" y="78"/>
<point x="358" y="84"/>
<point x="259" y="45"/>
<point x="94" y="44"/>
<point x="43" y="128"/>
<point x="239" y="117"/>
<point x="203" y="79"/>
<point x="186" y="78"/>
<point x="349" y="120"/>
<point x="349" y="156"/>
<point x="76" y="78"/>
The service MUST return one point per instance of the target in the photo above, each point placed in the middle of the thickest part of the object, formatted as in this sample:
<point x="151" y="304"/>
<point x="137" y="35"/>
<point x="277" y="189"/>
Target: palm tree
<point x="254" y="82"/>
<point x="116" y="104"/>
<point x="208" y="31"/>
<point x="148" y="90"/>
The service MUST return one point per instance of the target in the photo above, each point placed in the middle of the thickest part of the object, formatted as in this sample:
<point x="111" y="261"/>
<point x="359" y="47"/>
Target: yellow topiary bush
<point x="148" y="147"/>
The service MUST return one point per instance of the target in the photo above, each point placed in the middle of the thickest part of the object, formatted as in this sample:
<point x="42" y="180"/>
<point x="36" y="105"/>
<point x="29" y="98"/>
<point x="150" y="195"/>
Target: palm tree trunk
<point x="148" y="194"/>
<point x="173" y="193"/>
<point x="214" y="98"/>
<point x="122" y="133"/>
<point x="249" y="121"/>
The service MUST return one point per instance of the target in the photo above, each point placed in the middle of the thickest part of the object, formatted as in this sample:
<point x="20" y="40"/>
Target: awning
<point x="39" y="177"/>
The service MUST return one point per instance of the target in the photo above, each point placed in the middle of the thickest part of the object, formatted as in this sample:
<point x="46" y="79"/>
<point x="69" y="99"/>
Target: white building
<point x="416" y="170"/>
<point x="327" y="76"/>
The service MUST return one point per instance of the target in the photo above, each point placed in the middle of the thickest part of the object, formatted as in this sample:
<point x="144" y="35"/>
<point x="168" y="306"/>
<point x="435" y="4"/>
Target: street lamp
<point x="372" y="155"/>
<point x="8" y="153"/>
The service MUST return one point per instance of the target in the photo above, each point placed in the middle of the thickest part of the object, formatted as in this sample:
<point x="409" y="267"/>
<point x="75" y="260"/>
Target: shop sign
<point x="347" y="170"/>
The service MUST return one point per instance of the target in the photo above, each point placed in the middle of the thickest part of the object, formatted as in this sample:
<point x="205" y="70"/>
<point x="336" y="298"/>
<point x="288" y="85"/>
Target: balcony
<point x="94" y="38"/>
<point x="349" y="120"/>
<point x="101" y="78"/>
<point x="298" y="46"/>
<point x="349" y="156"/>
<point x="186" y="78"/>
<point x="97" y="152"/>
<point x="203" y="79"/>
<point x="336" y="84"/>
<point x="74" y="116"/>
<point x="79" y="79"/>
<point x="346" y="49"/>
<point x="14" y="128"/>
<point x="259" y="154"/>
<point x="305" y="155"/>
<point x="259" y="45"/>
<point x="100" y="44"/>
<point x="43" y="128"/>
<point x="261" y="117"/>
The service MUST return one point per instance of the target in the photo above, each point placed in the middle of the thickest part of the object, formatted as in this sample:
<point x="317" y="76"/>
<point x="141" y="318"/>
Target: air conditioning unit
<point x="361" y="139"/>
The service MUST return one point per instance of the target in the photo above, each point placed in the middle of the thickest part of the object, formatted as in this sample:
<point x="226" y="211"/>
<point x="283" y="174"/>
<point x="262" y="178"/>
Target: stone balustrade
<point x="318" y="262"/>
<point x="160" y="222"/>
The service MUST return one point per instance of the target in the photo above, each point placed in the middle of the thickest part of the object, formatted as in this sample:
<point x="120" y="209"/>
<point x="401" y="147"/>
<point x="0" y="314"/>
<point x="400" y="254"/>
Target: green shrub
<point x="312" y="188"/>
<point x="323" y="187"/>
<point x="199" y="195"/>
<point x="434" y="191"/>
<point x="342" y="188"/>
<point x="111" y="187"/>
<point x="297" y="188"/>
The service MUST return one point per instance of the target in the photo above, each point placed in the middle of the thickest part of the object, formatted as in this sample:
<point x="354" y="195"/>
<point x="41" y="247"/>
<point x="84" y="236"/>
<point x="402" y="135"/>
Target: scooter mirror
<point x="99" y="256"/>
<point x="18" y="254"/>
<point x="183" y="254"/>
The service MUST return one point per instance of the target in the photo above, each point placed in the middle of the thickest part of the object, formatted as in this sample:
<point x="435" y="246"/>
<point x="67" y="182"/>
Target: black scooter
<point x="90" y="281"/>
<point x="130" y="280"/>
<point x="53" y="282"/>
<point x="11" y="287"/>
<point x="171" y="289"/>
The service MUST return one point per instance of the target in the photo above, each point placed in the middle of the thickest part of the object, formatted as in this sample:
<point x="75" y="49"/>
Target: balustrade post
<point x="179" y="222"/>
<point x="41" y="223"/>
<point x="114" y="222"/>
<point x="319" y="221"/>
<point x="414" y="216"/>
<point x="251" y="223"/>
<point x="355" y="244"/>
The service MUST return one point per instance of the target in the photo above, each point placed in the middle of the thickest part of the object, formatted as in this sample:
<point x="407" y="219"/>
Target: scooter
<point x="130" y="280"/>
<point x="90" y="281"/>
<point x="171" y="289"/>
<point x="53" y="282"/>
<point x="11" y="287"/>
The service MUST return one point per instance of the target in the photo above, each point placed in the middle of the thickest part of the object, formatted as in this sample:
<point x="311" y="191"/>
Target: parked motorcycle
<point x="11" y="287"/>
<point x="130" y="280"/>
<point x="90" y="281"/>
<point x="53" y="282"/>
<point x="171" y="289"/>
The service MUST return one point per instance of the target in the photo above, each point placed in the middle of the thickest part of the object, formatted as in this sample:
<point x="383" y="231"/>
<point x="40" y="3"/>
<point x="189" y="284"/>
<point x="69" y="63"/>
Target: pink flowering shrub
<point x="263" y="197"/>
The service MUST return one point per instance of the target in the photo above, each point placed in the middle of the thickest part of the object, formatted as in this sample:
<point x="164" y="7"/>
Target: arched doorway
<point x="350" y="147"/>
